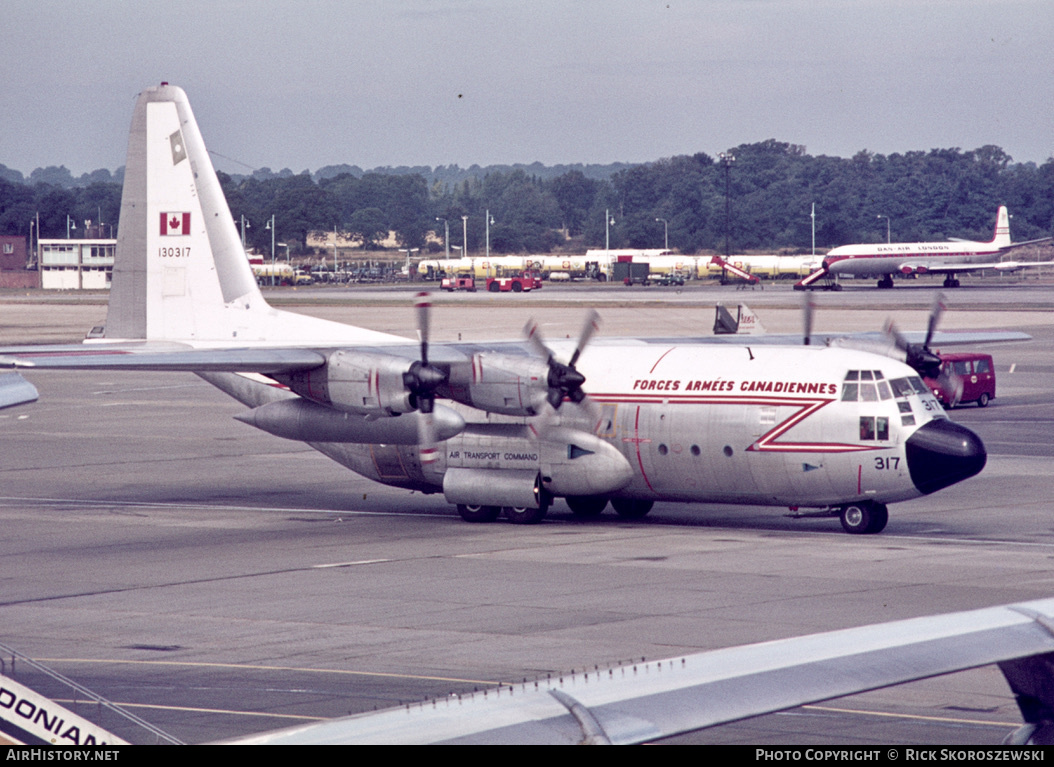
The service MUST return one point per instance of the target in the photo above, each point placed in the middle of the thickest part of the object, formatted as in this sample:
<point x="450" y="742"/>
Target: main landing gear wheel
<point x="520" y="515"/>
<point x="586" y="506"/>
<point x="864" y="518"/>
<point x="886" y="283"/>
<point x="478" y="513"/>
<point x="951" y="282"/>
<point x="628" y="509"/>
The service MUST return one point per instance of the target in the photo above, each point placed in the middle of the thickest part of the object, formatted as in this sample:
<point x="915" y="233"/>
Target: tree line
<point x="762" y="200"/>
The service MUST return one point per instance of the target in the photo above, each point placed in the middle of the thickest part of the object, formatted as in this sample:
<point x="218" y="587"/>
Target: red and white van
<point x="975" y="372"/>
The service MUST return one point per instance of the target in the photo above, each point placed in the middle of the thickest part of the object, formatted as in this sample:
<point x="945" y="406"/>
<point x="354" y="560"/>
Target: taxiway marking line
<point x="916" y="717"/>
<point x="260" y="667"/>
<point x="200" y="710"/>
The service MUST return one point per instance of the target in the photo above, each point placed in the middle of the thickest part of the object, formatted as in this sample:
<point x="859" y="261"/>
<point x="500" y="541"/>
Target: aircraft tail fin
<point x="1001" y="237"/>
<point x="745" y="321"/>
<point x="180" y="271"/>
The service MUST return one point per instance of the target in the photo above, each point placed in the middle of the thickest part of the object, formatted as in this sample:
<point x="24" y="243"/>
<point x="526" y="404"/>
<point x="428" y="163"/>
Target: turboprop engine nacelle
<point x="356" y="382"/>
<point x="501" y="383"/>
<point x="308" y="421"/>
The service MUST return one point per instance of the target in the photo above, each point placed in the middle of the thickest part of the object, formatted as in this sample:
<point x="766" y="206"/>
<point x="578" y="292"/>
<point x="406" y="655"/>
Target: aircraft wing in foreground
<point x="639" y="703"/>
<point x="650" y="701"/>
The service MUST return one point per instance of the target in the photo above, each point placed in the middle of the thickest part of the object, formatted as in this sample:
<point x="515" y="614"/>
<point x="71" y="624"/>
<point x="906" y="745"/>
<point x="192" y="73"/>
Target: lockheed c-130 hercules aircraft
<point x="810" y="426"/>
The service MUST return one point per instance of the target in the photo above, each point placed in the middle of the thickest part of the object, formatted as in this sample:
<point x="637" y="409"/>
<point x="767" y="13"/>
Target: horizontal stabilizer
<point x="16" y="390"/>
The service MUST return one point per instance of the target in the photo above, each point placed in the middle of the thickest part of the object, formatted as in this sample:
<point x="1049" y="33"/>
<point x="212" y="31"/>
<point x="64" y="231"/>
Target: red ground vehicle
<point x="451" y="284"/>
<point x="519" y="283"/>
<point x="976" y="374"/>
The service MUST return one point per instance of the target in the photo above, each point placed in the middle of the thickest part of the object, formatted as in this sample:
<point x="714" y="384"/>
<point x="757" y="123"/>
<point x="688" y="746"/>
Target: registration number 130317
<point x="174" y="252"/>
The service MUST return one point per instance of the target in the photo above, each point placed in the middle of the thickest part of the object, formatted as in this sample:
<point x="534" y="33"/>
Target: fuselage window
<point x="872" y="428"/>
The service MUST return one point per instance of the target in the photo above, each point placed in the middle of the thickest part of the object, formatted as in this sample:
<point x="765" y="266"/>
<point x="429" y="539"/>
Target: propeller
<point x="422" y="380"/>
<point x="919" y="356"/>
<point x="563" y="380"/>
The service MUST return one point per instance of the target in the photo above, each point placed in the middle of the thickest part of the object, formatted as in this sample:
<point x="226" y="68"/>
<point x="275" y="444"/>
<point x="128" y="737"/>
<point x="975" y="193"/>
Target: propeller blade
<point x="952" y="384"/>
<point x="533" y="334"/>
<point x="935" y="315"/>
<point x="808" y="308"/>
<point x="896" y="338"/>
<point x="592" y="325"/>
<point x="423" y="307"/>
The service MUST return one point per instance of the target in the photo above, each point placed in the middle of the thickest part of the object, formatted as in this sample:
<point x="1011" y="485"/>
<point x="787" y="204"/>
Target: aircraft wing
<point x="1000" y="266"/>
<point x="637" y="703"/>
<point x="105" y="357"/>
<point x="872" y="339"/>
<point x="282" y="359"/>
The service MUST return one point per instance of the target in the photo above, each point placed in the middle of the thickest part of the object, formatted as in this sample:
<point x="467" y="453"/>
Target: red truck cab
<point x="974" y="372"/>
<point x="517" y="283"/>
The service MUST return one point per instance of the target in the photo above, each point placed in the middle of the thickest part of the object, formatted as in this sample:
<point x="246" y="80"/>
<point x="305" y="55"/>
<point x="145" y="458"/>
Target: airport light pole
<point x="727" y="160"/>
<point x="464" y="236"/>
<point x="270" y="225"/>
<point x="608" y="221"/>
<point x="666" y="235"/>
<point x="446" y="237"/>
<point x="887" y="226"/>
<point x="813" y="217"/>
<point x="36" y="260"/>
<point x="490" y="220"/>
<point x="70" y="224"/>
<point x="245" y="225"/>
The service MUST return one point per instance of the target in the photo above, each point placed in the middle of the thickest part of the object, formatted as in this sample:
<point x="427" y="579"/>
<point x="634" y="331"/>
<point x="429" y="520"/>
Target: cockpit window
<point x="903" y="387"/>
<point x="865" y="386"/>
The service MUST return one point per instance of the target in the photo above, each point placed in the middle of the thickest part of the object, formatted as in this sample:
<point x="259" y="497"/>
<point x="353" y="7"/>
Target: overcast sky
<point x="435" y="82"/>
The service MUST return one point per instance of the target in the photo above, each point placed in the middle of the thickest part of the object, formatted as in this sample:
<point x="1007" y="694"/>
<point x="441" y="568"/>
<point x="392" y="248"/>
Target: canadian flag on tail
<point x="175" y="223"/>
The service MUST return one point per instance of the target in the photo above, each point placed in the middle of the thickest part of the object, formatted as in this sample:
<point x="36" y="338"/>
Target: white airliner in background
<point x="948" y="258"/>
<point x="822" y="427"/>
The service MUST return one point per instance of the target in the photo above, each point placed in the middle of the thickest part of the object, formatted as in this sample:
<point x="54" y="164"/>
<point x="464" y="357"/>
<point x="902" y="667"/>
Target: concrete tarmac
<point x="219" y="581"/>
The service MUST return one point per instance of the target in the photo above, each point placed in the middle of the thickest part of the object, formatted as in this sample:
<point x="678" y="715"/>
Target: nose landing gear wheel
<point x="864" y="518"/>
<point x="586" y="506"/>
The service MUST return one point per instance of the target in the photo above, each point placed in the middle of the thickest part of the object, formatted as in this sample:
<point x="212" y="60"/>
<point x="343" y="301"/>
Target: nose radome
<point x="941" y="453"/>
